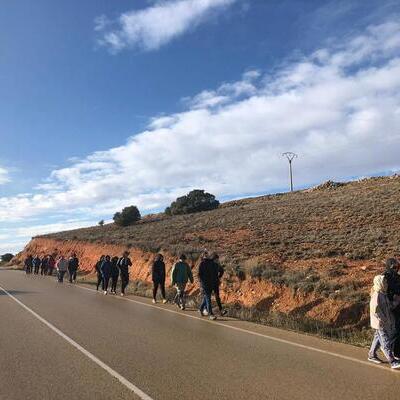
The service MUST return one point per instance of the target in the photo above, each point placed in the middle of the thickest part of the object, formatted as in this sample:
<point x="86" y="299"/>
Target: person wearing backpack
<point x="180" y="275"/>
<point x="383" y="322"/>
<point x="73" y="264"/>
<point x="158" y="277"/>
<point x="97" y="268"/>
<point x="123" y="264"/>
<point x="220" y="272"/>
<point x="114" y="275"/>
<point x="105" y="269"/>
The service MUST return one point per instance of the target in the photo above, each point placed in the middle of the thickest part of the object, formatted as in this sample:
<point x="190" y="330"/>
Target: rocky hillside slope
<point x="310" y="254"/>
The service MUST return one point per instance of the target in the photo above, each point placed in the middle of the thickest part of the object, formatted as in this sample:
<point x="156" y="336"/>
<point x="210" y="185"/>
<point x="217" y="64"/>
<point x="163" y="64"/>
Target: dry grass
<point x="357" y="220"/>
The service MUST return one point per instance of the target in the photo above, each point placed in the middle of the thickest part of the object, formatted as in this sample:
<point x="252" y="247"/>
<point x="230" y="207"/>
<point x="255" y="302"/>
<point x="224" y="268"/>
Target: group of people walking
<point x="385" y="315"/>
<point x="110" y="269"/>
<point x="48" y="263"/>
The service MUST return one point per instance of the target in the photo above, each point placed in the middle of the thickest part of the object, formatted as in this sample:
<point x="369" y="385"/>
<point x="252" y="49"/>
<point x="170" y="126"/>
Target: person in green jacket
<point x="180" y="275"/>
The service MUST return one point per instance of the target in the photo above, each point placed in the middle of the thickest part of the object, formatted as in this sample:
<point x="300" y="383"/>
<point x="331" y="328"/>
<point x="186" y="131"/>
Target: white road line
<point x="235" y="328"/>
<point x="92" y="357"/>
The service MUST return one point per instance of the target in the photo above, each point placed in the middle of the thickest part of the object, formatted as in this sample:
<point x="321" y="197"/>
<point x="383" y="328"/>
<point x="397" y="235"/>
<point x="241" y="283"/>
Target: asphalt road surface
<point x="63" y="341"/>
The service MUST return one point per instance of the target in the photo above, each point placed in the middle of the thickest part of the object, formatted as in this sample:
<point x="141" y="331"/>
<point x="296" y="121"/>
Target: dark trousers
<point x="36" y="269"/>
<point x="124" y="282"/>
<point x="217" y="297"/>
<point x="114" y="281"/>
<point x="72" y="274"/>
<point x="61" y="276"/>
<point x="50" y="271"/>
<point x="106" y="280"/>
<point x="99" y="281"/>
<point x="43" y="270"/>
<point x="28" y="269"/>
<point x="206" y="304"/>
<point x="156" y="284"/>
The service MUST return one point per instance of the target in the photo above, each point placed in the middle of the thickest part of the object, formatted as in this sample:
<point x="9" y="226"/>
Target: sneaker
<point x="375" y="360"/>
<point x="395" y="365"/>
<point x="164" y="301"/>
<point x="201" y="313"/>
<point x="105" y="292"/>
<point x="122" y="294"/>
<point x="154" y="301"/>
<point x="183" y="308"/>
<point x="223" y="312"/>
<point x="212" y="317"/>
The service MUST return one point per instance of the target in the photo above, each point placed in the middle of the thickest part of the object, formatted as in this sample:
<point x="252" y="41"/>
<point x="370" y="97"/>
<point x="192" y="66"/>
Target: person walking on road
<point x="220" y="273"/>
<point x="97" y="267"/>
<point x="105" y="269"/>
<point x="123" y="264"/>
<point x="51" y="263"/>
<point x="28" y="265"/>
<point x="208" y="277"/>
<point x="180" y="275"/>
<point x="114" y="275"/>
<point x="36" y="264"/>
<point x="43" y="266"/>
<point x="383" y="322"/>
<point x="62" y="266"/>
<point x="158" y="277"/>
<point x="73" y="264"/>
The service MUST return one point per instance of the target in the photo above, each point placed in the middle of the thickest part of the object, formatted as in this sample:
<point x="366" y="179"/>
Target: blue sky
<point x="105" y="104"/>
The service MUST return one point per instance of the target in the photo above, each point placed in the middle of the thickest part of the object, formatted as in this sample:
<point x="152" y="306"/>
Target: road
<point x="69" y="342"/>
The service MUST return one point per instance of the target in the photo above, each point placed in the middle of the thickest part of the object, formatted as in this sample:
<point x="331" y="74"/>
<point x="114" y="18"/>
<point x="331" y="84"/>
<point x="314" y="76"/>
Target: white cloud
<point x="4" y="176"/>
<point x="153" y="27"/>
<point x="339" y="109"/>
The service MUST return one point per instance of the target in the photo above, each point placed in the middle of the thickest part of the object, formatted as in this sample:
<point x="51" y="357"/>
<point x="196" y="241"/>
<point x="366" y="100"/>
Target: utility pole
<point x="290" y="157"/>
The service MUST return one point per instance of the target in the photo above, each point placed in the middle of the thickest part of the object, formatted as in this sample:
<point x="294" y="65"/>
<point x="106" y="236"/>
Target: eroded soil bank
<point x="319" y="301"/>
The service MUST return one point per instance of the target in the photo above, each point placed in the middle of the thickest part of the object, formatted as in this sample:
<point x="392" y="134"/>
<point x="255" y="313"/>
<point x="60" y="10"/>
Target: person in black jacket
<point x="44" y="265"/>
<point x="98" y="271"/>
<point x="105" y="269"/>
<point x="208" y="276"/>
<point x="123" y="264"/>
<point x="114" y="275"/>
<point x="73" y="264"/>
<point x="158" y="276"/>
<point x="28" y="264"/>
<point x="221" y="271"/>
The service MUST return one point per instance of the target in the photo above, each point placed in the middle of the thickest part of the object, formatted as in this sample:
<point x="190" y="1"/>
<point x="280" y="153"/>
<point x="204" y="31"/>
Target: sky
<point x="108" y="104"/>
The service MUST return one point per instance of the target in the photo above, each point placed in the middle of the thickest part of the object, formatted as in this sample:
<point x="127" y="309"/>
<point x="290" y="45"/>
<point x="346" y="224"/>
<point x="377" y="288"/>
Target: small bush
<point x="195" y="201"/>
<point x="101" y="222"/>
<point x="128" y="216"/>
<point x="6" y="257"/>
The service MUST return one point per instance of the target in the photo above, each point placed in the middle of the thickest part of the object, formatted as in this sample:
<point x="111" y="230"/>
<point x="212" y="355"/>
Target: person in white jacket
<point x="383" y="321"/>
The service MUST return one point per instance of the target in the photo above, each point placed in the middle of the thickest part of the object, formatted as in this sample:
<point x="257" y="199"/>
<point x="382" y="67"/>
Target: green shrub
<point x="195" y="201"/>
<point x="128" y="216"/>
<point x="6" y="257"/>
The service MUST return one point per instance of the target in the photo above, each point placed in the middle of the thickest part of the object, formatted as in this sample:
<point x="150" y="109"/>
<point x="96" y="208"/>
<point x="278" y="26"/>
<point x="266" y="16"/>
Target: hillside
<point x="309" y="254"/>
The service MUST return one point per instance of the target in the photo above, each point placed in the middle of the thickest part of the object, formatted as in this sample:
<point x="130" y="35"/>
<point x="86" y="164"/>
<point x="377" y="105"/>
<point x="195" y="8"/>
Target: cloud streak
<point x="150" y="28"/>
<point x="4" y="176"/>
<point x="338" y="108"/>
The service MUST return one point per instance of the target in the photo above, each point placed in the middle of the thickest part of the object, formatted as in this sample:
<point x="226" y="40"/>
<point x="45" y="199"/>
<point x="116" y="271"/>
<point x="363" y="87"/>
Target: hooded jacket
<point x="62" y="264"/>
<point x="158" y="271"/>
<point x="381" y="314"/>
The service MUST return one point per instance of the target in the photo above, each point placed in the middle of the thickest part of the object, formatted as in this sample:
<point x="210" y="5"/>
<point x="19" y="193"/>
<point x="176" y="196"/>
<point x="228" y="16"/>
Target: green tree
<point x="128" y="216"/>
<point x="195" y="201"/>
<point x="6" y="257"/>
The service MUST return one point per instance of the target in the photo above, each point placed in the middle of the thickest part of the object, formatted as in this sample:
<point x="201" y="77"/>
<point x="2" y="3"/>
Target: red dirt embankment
<point x="264" y="295"/>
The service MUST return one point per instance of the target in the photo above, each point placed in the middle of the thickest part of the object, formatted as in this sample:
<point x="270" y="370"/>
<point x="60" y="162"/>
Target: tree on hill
<point x="101" y="222"/>
<point x="128" y="216"/>
<point x="195" y="201"/>
<point x="6" y="257"/>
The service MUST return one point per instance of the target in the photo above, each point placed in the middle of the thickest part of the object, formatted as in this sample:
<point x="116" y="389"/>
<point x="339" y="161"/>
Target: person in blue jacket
<point x="105" y="269"/>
